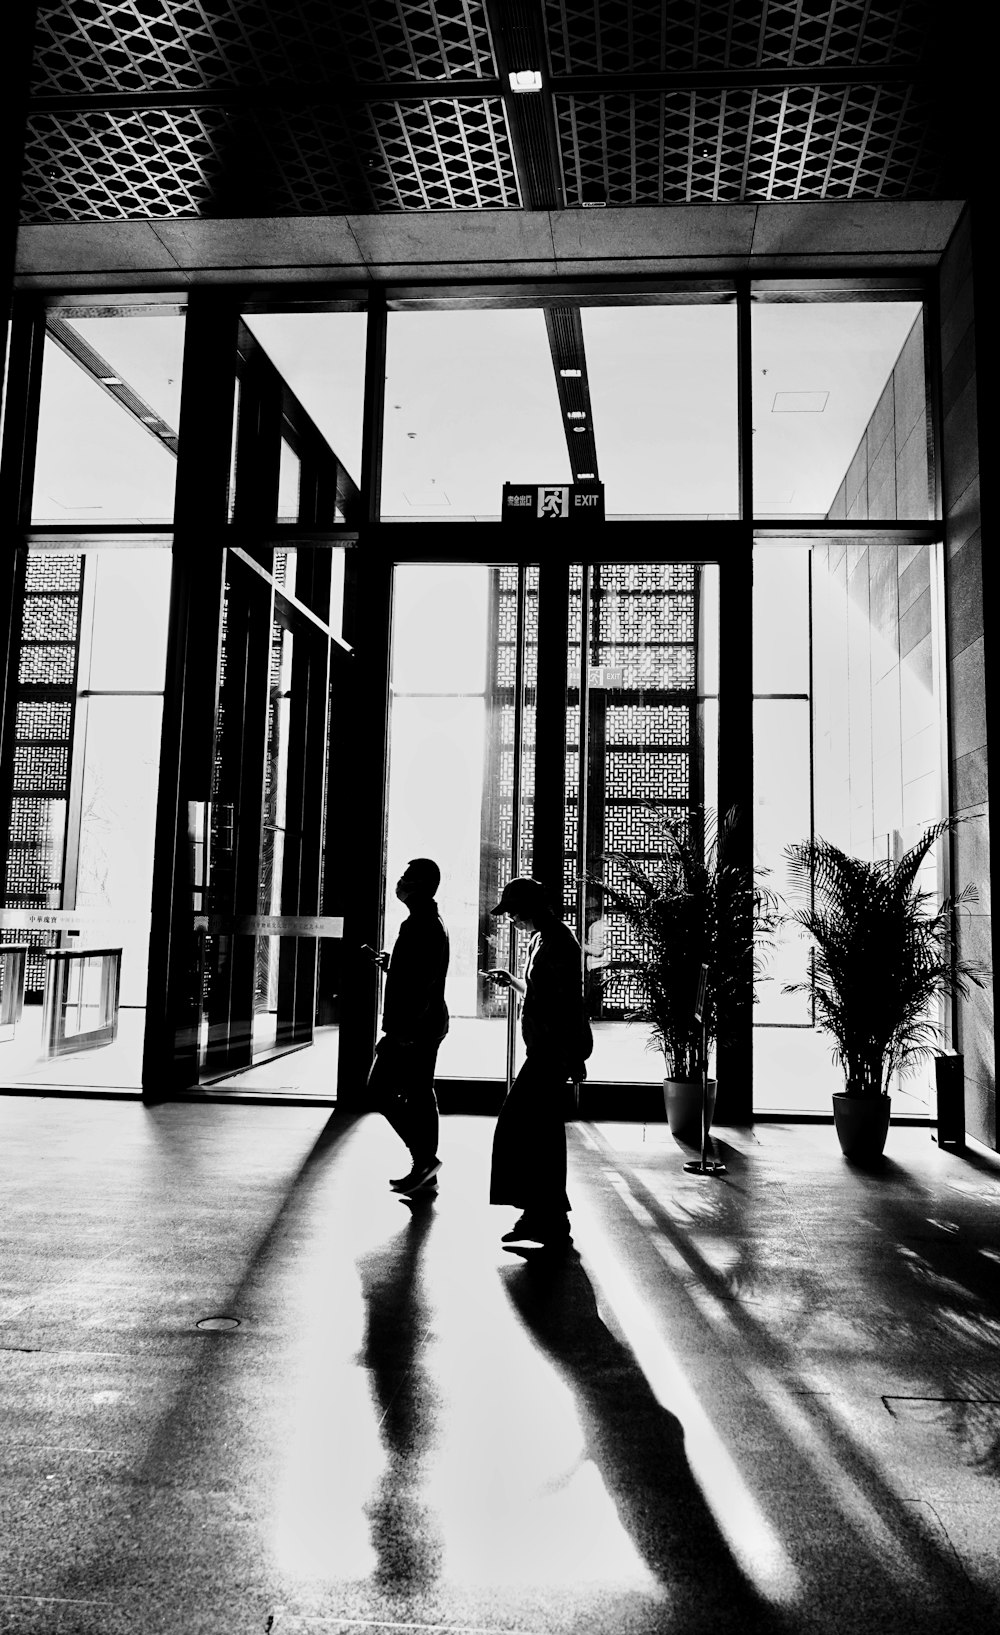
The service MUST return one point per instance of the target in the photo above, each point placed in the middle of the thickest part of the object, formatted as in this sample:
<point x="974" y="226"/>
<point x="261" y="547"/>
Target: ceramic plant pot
<point x="682" y="1100"/>
<point x="862" y="1125"/>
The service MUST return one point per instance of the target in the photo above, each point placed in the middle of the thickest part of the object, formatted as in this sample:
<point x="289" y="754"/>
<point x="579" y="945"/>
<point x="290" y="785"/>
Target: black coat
<point x="413" y="1007"/>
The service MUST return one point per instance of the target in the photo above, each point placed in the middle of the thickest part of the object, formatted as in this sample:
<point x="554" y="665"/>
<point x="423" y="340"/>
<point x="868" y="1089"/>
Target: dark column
<point x="734" y="1060"/>
<point x="356" y="785"/>
<point x="15" y="73"/>
<point x="17" y="474"/>
<point x="192" y="675"/>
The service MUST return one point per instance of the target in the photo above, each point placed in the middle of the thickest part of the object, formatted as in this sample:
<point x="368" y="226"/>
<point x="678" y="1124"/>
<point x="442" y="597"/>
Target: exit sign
<point x="553" y="502"/>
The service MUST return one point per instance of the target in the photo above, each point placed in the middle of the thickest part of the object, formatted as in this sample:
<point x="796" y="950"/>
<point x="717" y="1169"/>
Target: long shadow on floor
<point x="638" y="1448"/>
<point x="897" y="1579"/>
<point x="403" y="1531"/>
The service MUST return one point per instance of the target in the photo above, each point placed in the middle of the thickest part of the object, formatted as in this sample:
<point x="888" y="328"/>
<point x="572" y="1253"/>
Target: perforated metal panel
<point x="622" y="36"/>
<point x="800" y="142"/>
<point x="186" y="45"/>
<point x="167" y="108"/>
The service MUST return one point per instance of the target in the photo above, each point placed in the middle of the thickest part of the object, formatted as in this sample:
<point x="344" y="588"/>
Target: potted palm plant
<point x="698" y="902"/>
<point x="882" y="954"/>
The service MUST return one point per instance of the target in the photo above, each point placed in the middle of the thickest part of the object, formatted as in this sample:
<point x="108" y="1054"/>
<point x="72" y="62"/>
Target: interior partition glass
<point x="642" y="398"/>
<point x="840" y="419"/>
<point x="848" y="716"/>
<point x="86" y="767"/>
<point x="108" y="416"/>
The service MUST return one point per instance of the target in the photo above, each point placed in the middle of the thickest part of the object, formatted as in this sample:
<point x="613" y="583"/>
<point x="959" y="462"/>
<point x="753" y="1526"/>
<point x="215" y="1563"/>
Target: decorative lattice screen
<point x="43" y="738"/>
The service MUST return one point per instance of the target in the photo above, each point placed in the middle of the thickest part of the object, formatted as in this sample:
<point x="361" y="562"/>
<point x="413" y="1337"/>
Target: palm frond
<point x="883" y="953"/>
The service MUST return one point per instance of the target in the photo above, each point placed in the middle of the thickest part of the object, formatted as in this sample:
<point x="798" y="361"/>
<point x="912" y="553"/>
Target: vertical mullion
<point x="515" y="813"/>
<point x="374" y="406"/>
<point x="744" y="395"/>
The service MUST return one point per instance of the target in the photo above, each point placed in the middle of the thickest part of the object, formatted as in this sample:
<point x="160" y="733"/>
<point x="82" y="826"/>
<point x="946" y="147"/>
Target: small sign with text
<point x="553" y="502"/>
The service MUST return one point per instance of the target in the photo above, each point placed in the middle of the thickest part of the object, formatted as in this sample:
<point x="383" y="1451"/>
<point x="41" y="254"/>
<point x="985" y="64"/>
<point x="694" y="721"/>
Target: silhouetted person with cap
<point x="414" y="1021"/>
<point x="529" y="1146"/>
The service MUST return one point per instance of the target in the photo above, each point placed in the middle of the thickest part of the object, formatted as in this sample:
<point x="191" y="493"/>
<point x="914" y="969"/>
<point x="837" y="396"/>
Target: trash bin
<point x="949" y="1076"/>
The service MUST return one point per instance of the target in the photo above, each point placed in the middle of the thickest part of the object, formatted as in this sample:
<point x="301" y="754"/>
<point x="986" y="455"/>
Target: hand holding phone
<point x="500" y="977"/>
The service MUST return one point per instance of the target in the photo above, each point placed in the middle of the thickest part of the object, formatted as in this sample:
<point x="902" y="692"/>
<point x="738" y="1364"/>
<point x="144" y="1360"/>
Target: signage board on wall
<point x="553" y="502"/>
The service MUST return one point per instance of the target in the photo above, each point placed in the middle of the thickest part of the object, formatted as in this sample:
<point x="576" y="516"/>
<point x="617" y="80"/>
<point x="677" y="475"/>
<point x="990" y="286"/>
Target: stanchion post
<point x="702" y="1166"/>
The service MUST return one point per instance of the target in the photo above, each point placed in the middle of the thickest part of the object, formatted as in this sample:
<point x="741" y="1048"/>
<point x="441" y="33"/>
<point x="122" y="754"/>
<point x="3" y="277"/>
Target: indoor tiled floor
<point x="765" y="1400"/>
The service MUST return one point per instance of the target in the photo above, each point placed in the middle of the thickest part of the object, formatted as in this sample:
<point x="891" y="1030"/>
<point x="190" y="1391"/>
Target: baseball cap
<point x="522" y="895"/>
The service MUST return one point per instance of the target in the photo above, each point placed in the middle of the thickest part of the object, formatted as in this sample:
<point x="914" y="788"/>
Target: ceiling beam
<point x="346" y="92"/>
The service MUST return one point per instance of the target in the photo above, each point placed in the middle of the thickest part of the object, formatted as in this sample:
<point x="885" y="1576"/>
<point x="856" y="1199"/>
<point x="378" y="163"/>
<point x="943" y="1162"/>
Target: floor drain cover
<point x="218" y="1323"/>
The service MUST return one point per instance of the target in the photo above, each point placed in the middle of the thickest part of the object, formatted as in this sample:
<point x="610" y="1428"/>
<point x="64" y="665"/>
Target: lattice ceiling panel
<point x="101" y="166"/>
<point x="807" y="142"/>
<point x="137" y="45"/>
<point x="631" y="36"/>
<point x="195" y="162"/>
<point x="444" y="154"/>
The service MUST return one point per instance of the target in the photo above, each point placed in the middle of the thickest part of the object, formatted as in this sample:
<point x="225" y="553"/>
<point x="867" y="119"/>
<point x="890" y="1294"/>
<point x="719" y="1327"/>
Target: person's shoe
<point x="403" y="1182"/>
<point x="419" y="1177"/>
<point x="549" y="1231"/>
<point x="524" y="1230"/>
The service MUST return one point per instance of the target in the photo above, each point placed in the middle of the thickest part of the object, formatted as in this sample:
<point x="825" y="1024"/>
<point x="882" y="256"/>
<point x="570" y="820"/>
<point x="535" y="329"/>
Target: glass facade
<point x="544" y="692"/>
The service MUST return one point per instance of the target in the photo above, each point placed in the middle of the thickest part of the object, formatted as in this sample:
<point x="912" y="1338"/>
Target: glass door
<point x="259" y="870"/>
<point x="461" y="777"/>
<point x="641" y="748"/>
<point x="541" y="719"/>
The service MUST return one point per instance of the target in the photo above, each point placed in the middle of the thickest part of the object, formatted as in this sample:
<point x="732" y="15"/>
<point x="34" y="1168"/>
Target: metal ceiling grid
<point x="302" y="107"/>
<point x="186" y="45"/>
<point x="635" y="36"/>
<point x="443" y="154"/>
<point x="802" y="142"/>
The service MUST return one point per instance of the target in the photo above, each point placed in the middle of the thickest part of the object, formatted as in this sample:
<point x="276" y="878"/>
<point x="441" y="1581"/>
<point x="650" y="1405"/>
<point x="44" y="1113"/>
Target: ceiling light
<point x="110" y="380"/>
<point x="583" y="474"/>
<point x="576" y="414"/>
<point x="579" y="431"/>
<point x="799" y="402"/>
<point x="150" y="419"/>
<point x="526" y="79"/>
<point x="571" y="374"/>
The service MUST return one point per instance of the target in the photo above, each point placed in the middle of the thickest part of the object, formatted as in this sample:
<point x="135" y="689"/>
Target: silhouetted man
<point x="414" y="1021"/>
<point x="529" y="1146"/>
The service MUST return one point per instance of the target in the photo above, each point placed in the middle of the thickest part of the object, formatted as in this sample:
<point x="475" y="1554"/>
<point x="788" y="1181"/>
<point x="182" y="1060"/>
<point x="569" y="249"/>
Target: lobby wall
<point x="966" y="665"/>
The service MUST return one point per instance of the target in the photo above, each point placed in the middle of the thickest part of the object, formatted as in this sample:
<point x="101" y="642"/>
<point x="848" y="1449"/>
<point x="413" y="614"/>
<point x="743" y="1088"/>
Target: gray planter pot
<point x="682" y="1100"/>
<point x="862" y="1125"/>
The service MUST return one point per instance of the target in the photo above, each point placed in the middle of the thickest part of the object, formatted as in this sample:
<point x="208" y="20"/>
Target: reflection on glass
<point x="86" y="750"/>
<point x="289" y="473"/>
<point x="452" y="776"/>
<point x="780" y="619"/>
<point x="470" y="403"/>
<point x="321" y="357"/>
<point x="129" y="645"/>
<point x="273" y="834"/>
<point x="839" y="410"/>
<point x="876" y="766"/>
<point x="782" y="817"/>
<point x="108" y="420"/>
<point x="436" y="759"/>
<point x="117" y="824"/>
<point x="663" y="394"/>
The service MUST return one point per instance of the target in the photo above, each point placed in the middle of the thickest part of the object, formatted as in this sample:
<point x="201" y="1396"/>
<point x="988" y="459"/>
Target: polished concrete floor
<point x="247" y="1389"/>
